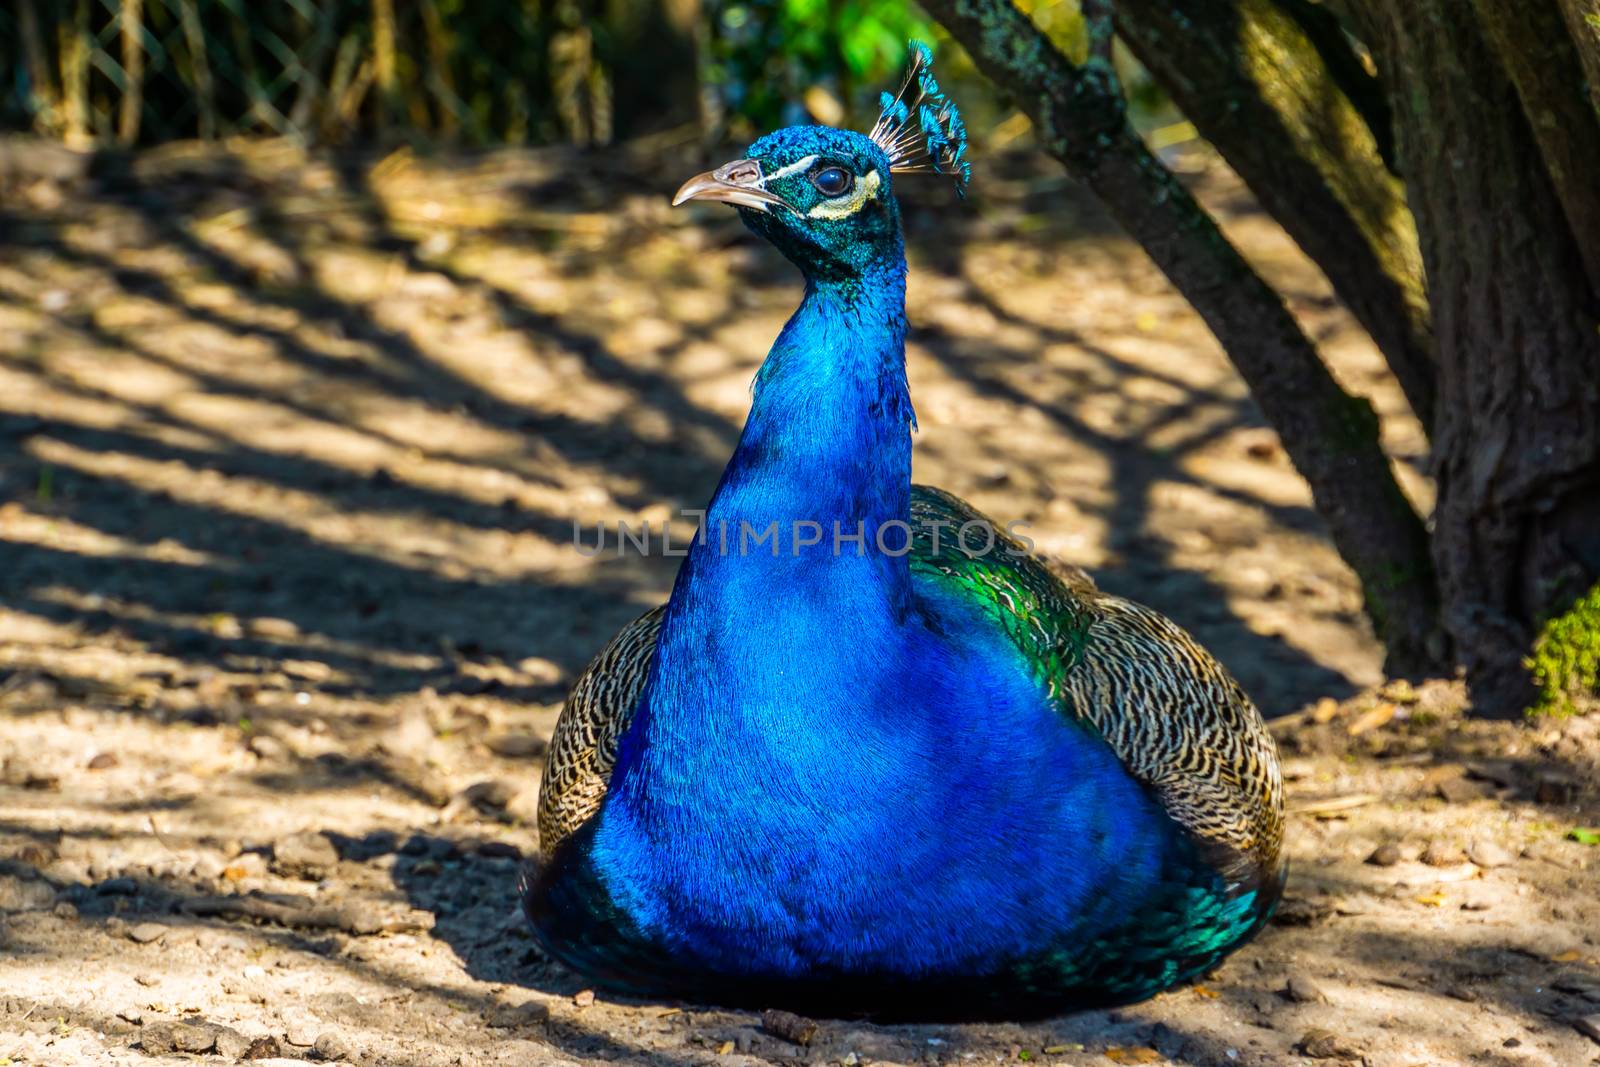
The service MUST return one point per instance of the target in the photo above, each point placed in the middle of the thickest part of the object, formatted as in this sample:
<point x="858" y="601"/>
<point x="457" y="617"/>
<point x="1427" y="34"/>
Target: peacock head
<point x="824" y="196"/>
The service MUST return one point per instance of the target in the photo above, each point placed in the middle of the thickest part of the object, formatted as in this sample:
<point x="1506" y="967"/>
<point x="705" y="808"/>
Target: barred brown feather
<point x="584" y="747"/>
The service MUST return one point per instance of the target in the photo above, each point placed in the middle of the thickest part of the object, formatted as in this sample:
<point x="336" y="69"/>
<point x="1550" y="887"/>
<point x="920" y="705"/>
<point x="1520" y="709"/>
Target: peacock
<point x="873" y="756"/>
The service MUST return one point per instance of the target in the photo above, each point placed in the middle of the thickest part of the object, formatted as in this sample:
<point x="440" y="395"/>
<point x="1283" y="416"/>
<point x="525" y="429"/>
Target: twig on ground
<point x="346" y="918"/>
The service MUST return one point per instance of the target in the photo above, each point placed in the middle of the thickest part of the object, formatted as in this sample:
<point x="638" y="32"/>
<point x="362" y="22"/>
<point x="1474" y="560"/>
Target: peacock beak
<point x="740" y="183"/>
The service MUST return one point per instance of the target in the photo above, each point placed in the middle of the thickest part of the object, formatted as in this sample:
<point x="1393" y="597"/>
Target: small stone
<point x="330" y="1046"/>
<point x="789" y="1026"/>
<point x="517" y="746"/>
<point x="1302" y="990"/>
<point x="117" y="887"/>
<point x="519" y="1016"/>
<point x="231" y="1044"/>
<point x="1478" y="898"/>
<point x="160" y="1038"/>
<point x="583" y="998"/>
<point x="298" y="1034"/>
<point x="1438" y="854"/>
<point x="102" y="761"/>
<point x="1385" y="855"/>
<point x="66" y="910"/>
<point x="1488" y="854"/>
<point x="145" y="933"/>
<point x="1326" y="1045"/>
<point x="1461" y="790"/>
<point x="263" y="1048"/>
<point x="493" y="795"/>
<point x="309" y="856"/>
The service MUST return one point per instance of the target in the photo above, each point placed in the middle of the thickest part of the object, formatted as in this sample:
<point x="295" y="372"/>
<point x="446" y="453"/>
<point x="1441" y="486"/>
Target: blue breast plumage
<point x="861" y="763"/>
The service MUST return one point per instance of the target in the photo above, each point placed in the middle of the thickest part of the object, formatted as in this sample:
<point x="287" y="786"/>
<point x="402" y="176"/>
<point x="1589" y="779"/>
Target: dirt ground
<point x="291" y="451"/>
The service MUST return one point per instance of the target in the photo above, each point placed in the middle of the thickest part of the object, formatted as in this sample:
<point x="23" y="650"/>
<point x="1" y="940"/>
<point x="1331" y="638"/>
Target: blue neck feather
<point x="827" y="443"/>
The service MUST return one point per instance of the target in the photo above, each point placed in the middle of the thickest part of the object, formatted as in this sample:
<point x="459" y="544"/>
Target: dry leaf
<point x="1137" y="1054"/>
<point x="1432" y="900"/>
<point x="1572" y="955"/>
<point x="1371" y="720"/>
<point x="724" y="1048"/>
<point x="1204" y="991"/>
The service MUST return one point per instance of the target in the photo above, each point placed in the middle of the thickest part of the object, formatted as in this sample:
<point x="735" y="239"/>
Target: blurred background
<point x="471" y="72"/>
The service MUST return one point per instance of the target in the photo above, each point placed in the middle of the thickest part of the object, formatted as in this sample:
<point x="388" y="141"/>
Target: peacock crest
<point x="920" y="128"/>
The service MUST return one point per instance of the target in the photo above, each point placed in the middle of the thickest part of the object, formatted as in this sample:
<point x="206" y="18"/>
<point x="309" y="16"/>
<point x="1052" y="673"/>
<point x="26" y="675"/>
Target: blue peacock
<point x="872" y="756"/>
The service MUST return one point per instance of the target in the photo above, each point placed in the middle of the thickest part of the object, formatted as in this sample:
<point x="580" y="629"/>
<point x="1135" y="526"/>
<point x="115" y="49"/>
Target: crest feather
<point x="919" y="128"/>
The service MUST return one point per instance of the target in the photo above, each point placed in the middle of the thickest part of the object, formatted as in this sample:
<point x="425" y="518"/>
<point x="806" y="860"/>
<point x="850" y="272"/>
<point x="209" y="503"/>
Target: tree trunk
<point x="1533" y="44"/>
<point x="1517" y="443"/>
<point x="1258" y="88"/>
<point x="1583" y="23"/>
<point x="1330" y="436"/>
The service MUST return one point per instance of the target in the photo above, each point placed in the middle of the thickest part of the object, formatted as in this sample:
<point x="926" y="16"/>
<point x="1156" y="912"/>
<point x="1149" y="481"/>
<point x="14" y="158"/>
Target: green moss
<point x="1566" y="658"/>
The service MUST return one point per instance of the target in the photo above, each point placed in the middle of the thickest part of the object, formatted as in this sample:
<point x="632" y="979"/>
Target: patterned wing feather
<point x="584" y="747"/>
<point x="1171" y="712"/>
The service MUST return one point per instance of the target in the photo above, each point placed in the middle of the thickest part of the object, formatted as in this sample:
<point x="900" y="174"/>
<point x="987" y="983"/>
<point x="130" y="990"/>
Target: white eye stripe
<point x="866" y="189"/>
<point x="793" y="168"/>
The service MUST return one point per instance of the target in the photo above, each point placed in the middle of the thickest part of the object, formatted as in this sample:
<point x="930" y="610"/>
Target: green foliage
<point x="1566" y="658"/>
<point x="768" y="53"/>
<point x="1584" y="835"/>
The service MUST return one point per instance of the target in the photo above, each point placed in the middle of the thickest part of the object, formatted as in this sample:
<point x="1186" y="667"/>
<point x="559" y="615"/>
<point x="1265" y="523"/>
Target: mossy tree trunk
<point x="1516" y="318"/>
<point x="1331" y="437"/>
<point x="1258" y="87"/>
<point x="1583" y="23"/>
<point x="1497" y="140"/>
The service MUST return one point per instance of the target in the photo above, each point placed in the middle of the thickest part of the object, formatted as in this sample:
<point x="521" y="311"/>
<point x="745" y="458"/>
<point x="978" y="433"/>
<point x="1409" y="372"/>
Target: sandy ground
<point x="291" y="452"/>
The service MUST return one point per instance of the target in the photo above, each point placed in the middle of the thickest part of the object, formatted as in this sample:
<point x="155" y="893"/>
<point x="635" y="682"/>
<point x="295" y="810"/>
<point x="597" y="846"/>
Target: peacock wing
<point x="583" y="748"/>
<point x="1173" y="715"/>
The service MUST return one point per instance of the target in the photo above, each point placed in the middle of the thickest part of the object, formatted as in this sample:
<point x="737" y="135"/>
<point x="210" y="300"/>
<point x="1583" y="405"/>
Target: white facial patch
<point x="783" y="172"/>
<point x="865" y="190"/>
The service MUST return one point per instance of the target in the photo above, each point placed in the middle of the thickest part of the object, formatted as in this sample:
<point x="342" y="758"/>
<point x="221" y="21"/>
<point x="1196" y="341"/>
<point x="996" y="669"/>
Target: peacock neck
<point x="826" y="452"/>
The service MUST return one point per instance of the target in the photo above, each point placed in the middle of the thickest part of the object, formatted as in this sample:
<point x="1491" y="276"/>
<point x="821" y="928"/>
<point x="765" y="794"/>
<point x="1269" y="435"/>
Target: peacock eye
<point x="833" y="181"/>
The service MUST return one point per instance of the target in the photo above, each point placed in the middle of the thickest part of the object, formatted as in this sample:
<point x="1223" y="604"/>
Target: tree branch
<point x="1583" y="22"/>
<point x="1531" y="42"/>
<point x="1361" y="86"/>
<point x="1331" y="437"/>
<point x="1256" y="86"/>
